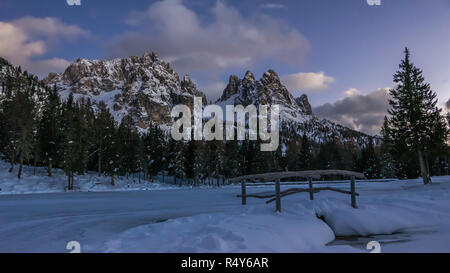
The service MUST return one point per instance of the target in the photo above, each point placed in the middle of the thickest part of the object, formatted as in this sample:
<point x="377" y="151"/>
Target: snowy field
<point x="404" y="216"/>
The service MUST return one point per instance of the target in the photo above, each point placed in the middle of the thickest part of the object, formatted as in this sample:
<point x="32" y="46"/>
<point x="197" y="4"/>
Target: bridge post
<point x="244" y="192"/>
<point x="311" y="194"/>
<point x="352" y="189"/>
<point x="278" y="195"/>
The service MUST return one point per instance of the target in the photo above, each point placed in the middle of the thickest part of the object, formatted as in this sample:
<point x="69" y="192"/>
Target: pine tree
<point x="247" y="154"/>
<point x="19" y="113"/>
<point x="369" y="162"/>
<point x="110" y="149"/>
<point x="74" y="143"/>
<point x="292" y="154"/>
<point x="99" y="131"/>
<point x="415" y="121"/>
<point x="171" y="158"/>
<point x="387" y="162"/>
<point x="154" y="144"/>
<point x="179" y="162"/>
<point x="329" y="156"/>
<point x="214" y="164"/>
<point x="232" y="162"/>
<point x="48" y="131"/>
<point x="126" y="150"/>
<point x="191" y="161"/>
<point x="305" y="156"/>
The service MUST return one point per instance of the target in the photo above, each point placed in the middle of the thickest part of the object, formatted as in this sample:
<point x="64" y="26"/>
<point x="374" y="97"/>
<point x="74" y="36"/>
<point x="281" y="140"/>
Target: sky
<point x="341" y="53"/>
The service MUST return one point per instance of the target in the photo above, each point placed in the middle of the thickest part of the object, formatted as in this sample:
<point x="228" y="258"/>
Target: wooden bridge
<point x="310" y="175"/>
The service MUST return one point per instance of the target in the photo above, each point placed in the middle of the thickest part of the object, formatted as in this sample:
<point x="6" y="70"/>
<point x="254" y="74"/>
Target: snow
<point x="41" y="183"/>
<point x="240" y="231"/>
<point x="404" y="216"/>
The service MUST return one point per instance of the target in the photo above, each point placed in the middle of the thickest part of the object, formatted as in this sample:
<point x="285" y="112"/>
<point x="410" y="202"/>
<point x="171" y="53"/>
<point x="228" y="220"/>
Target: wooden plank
<point x="296" y="190"/>
<point x="257" y="196"/>
<point x="244" y="193"/>
<point x="315" y="190"/>
<point x="353" y="192"/>
<point x="311" y="193"/>
<point x="316" y="174"/>
<point x="278" y="195"/>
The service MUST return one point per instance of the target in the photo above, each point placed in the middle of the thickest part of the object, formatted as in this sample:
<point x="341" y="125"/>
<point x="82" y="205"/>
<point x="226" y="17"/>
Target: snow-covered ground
<point x="36" y="181"/>
<point x="404" y="216"/>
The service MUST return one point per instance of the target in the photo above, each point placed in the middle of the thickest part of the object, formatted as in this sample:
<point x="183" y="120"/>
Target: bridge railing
<point x="310" y="175"/>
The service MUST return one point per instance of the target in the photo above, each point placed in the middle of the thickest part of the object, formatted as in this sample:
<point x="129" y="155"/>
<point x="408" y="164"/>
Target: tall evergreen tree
<point x="369" y="162"/>
<point x="415" y="121"/>
<point x="191" y="160"/>
<point x="171" y="158"/>
<point x="154" y="145"/>
<point x="293" y="153"/>
<point x="110" y="150"/>
<point x="74" y="143"/>
<point x="232" y="160"/>
<point x="48" y="132"/>
<point x="305" y="156"/>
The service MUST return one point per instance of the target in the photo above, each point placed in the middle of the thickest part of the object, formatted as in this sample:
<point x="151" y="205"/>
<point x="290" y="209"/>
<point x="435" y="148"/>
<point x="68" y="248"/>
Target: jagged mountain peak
<point x="304" y="104"/>
<point x="267" y="90"/>
<point x="249" y="76"/>
<point x="188" y="86"/>
<point x="270" y="77"/>
<point x="231" y="88"/>
<point x="145" y="87"/>
<point x="4" y="62"/>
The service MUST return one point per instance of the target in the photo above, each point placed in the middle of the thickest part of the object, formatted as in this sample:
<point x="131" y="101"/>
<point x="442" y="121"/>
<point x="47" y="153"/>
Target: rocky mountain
<point x="295" y="113"/>
<point x="266" y="91"/>
<point x="144" y="87"/>
<point x="304" y="104"/>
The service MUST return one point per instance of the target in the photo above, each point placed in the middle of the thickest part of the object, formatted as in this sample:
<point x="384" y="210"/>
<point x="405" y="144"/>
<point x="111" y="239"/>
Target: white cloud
<point x="362" y="112"/>
<point x="229" y="40"/>
<point x="352" y="92"/>
<point x="307" y="81"/>
<point x="27" y="38"/>
<point x="49" y="27"/>
<point x="49" y="65"/>
<point x="15" y="45"/>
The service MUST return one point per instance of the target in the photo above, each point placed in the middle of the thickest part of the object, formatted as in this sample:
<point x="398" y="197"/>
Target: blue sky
<point x="336" y="51"/>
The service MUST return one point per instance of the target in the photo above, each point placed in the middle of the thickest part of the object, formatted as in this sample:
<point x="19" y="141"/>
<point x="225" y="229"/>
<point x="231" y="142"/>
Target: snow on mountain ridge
<point x="148" y="87"/>
<point x="295" y="113"/>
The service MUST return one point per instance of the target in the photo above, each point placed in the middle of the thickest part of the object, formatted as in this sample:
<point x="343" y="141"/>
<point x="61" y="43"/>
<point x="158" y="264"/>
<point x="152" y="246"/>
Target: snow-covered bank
<point x="420" y="213"/>
<point x="390" y="208"/>
<point x="91" y="182"/>
<point x="252" y="230"/>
